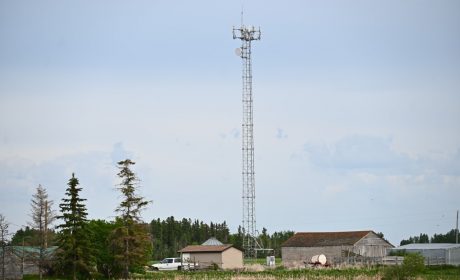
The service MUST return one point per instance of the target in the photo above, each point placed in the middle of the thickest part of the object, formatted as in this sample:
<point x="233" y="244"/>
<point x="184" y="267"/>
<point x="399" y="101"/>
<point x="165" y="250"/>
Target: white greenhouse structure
<point x="434" y="253"/>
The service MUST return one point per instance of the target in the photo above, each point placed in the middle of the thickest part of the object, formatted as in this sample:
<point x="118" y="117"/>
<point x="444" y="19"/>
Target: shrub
<point x="394" y="272"/>
<point x="214" y="266"/>
<point x="413" y="265"/>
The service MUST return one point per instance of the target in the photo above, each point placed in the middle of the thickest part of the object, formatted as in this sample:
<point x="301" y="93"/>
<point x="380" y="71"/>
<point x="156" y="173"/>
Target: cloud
<point x="119" y="153"/>
<point x="12" y="177"/>
<point x="95" y="170"/>
<point x="356" y="152"/>
<point x="233" y="134"/>
<point x="368" y="160"/>
<point x="334" y="190"/>
<point x="280" y="134"/>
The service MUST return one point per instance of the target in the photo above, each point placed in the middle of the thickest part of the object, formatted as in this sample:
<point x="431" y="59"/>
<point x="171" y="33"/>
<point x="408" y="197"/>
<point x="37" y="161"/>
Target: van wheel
<point x="179" y="268"/>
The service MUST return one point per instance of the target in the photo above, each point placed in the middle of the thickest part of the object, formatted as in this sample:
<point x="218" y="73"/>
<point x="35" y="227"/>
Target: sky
<point x="356" y="110"/>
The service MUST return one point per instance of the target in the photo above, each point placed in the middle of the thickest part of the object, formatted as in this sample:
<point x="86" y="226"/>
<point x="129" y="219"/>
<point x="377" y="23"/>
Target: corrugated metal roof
<point x="205" y="248"/>
<point x="427" y="246"/>
<point x="320" y="239"/>
<point x="31" y="249"/>
<point x="213" y="242"/>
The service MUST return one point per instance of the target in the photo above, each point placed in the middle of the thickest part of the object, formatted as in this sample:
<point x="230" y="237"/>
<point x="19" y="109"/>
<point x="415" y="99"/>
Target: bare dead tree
<point x="3" y="234"/>
<point x="42" y="216"/>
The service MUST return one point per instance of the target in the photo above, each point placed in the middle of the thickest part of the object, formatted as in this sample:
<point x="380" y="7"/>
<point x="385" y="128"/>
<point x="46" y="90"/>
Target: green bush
<point x="394" y="272"/>
<point x="413" y="265"/>
<point x="214" y="266"/>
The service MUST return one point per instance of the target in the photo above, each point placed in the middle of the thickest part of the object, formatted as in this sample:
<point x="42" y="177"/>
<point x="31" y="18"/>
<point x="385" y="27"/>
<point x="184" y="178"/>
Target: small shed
<point x="304" y="245"/>
<point x="225" y="256"/>
<point x="434" y="253"/>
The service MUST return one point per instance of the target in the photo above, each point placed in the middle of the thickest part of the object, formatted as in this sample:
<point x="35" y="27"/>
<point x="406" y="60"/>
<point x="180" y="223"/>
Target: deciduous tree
<point x="100" y="234"/>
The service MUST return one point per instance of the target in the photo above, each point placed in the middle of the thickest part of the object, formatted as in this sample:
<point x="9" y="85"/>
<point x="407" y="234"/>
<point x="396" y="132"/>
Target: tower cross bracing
<point x="247" y="34"/>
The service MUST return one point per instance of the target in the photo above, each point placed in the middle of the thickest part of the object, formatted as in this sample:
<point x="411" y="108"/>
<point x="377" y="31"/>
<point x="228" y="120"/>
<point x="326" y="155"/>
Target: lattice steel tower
<point x="247" y="34"/>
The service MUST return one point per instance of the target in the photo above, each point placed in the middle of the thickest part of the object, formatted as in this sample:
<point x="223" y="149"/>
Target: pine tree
<point x="75" y="253"/>
<point x="131" y="241"/>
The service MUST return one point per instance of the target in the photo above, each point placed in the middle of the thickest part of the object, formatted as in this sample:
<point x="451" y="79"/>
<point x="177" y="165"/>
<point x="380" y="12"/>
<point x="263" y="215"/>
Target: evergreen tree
<point x="171" y="235"/>
<point x="27" y="237"/>
<point x="265" y="239"/>
<point x="449" y="237"/>
<point x="130" y="240"/>
<point x="75" y="257"/>
<point x="422" y="238"/>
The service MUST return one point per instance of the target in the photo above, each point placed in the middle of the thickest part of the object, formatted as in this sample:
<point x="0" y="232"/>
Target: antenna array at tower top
<point x="246" y="33"/>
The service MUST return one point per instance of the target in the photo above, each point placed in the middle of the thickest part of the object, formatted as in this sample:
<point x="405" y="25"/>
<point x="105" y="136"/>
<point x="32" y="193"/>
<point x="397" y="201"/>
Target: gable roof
<point x="319" y="239"/>
<point x="205" y="248"/>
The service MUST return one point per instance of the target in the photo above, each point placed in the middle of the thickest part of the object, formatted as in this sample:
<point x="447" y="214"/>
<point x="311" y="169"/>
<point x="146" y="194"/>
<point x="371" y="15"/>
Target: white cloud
<point x="281" y="134"/>
<point x="356" y="152"/>
<point x="95" y="170"/>
<point x="119" y="153"/>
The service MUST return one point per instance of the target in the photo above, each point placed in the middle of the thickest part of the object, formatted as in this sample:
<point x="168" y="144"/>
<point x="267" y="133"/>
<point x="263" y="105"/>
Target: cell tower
<point x="247" y="34"/>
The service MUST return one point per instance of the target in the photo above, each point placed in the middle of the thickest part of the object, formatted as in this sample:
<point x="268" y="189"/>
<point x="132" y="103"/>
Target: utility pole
<point x="22" y="264"/>
<point x="45" y="232"/>
<point x="456" y="230"/>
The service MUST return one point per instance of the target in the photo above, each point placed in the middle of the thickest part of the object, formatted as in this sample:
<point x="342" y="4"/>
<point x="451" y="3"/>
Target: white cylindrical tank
<point x="319" y="259"/>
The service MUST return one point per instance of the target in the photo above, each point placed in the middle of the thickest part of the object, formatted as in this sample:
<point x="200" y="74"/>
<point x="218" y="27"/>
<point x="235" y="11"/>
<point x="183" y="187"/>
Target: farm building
<point x="213" y="252"/>
<point x="434" y="253"/>
<point x="22" y="260"/>
<point x="304" y="245"/>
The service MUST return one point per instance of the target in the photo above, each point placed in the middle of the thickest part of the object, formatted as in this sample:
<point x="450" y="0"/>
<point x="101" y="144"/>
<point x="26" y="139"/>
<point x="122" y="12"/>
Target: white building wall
<point x="454" y="256"/>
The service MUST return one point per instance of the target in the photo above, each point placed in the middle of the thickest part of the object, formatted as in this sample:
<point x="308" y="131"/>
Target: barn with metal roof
<point x="304" y="245"/>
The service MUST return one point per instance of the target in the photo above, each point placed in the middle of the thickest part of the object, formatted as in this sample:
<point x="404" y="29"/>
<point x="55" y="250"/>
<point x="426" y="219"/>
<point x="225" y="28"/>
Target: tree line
<point x="449" y="237"/>
<point x="170" y="235"/>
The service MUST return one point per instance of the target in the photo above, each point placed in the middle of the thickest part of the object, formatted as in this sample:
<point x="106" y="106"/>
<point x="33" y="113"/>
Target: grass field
<point x="373" y="273"/>
<point x="320" y="274"/>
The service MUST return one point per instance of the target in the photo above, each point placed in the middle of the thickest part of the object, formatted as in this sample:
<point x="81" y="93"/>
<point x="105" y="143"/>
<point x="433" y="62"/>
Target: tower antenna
<point x="247" y="34"/>
<point x="242" y="9"/>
